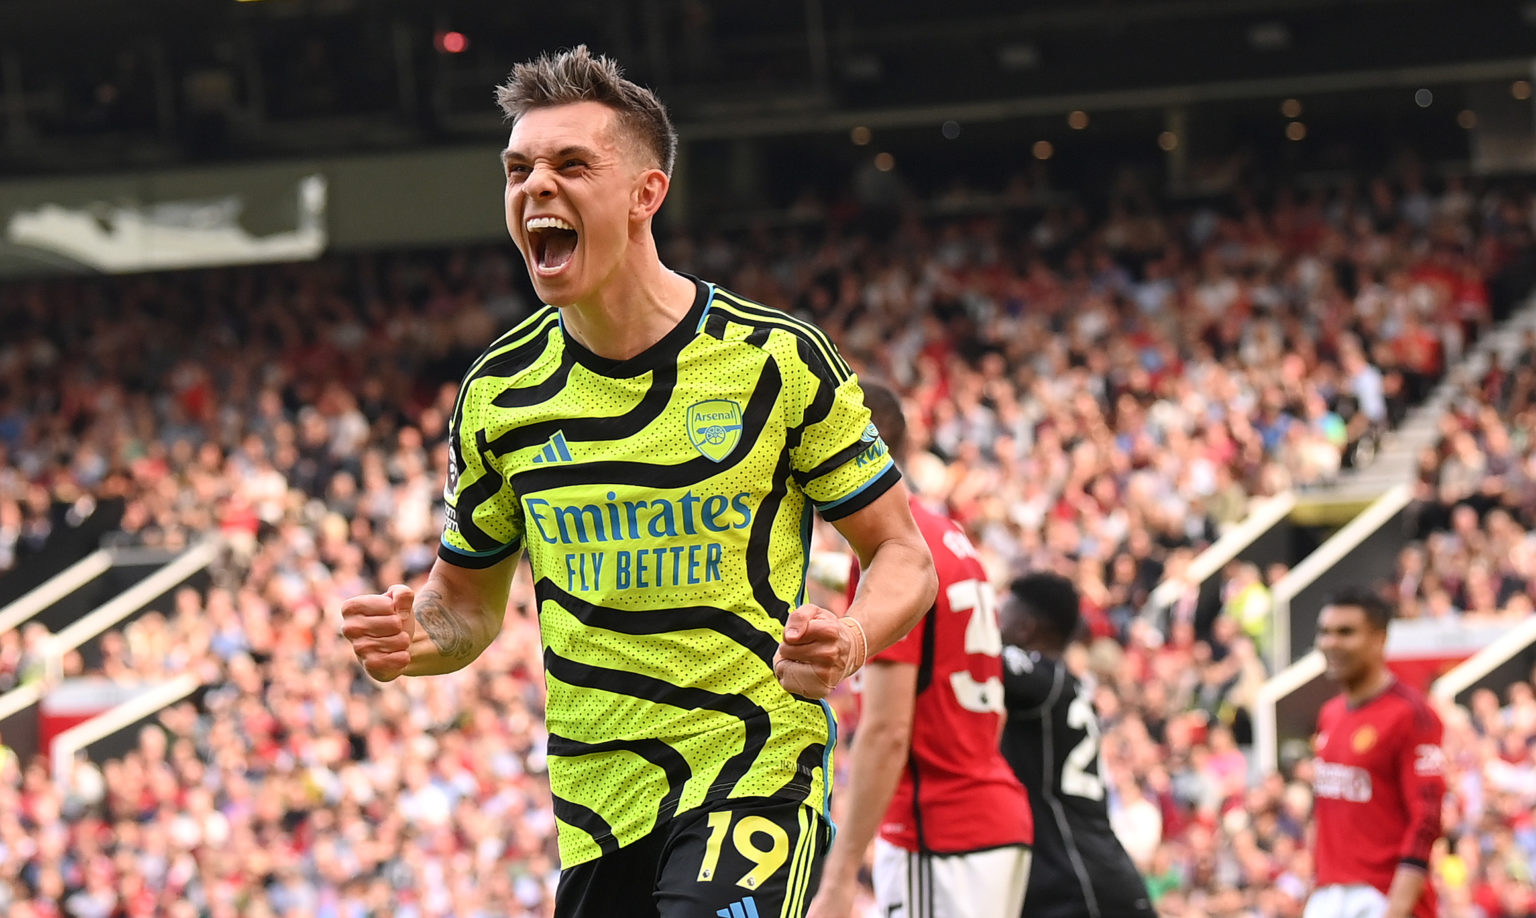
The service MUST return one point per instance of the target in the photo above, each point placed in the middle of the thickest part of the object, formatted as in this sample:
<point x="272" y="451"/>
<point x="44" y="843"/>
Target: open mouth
<point x="552" y="242"/>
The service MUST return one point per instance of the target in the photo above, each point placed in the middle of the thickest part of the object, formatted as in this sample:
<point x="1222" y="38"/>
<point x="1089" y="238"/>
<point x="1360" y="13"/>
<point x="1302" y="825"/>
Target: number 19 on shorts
<point x="759" y="840"/>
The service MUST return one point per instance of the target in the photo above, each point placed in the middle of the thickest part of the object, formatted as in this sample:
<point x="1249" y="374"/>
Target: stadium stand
<point x="1098" y="396"/>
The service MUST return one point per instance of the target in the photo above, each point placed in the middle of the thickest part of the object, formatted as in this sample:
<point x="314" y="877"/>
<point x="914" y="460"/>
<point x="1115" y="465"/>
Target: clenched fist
<point x="819" y="650"/>
<point x="380" y="628"/>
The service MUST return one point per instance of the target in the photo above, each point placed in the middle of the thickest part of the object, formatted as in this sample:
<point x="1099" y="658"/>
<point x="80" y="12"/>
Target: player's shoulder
<point x="1410" y="706"/>
<point x="733" y="317"/>
<point x="518" y="349"/>
<point x="1332" y="709"/>
<point x="1021" y="662"/>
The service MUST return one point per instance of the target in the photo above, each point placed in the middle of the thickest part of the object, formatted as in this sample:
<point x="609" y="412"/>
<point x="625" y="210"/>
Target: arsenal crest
<point x="714" y="427"/>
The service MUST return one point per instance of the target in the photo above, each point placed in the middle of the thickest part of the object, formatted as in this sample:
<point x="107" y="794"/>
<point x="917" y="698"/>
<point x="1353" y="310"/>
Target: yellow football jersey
<point x="665" y="505"/>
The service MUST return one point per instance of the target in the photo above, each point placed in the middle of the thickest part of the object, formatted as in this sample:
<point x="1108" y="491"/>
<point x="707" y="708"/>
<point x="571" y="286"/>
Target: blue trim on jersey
<point x="859" y="490"/>
<point x="478" y="554"/>
<point x="826" y="769"/>
<point x="708" y="301"/>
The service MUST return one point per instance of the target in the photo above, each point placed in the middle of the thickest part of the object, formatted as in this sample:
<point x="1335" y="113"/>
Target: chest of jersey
<point x="1355" y="758"/>
<point x="652" y="482"/>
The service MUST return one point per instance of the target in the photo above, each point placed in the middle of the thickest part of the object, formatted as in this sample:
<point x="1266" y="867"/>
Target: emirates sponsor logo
<point x="1342" y="782"/>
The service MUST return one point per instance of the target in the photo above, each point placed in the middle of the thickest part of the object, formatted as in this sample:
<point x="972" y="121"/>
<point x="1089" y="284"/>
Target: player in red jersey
<point x="954" y="823"/>
<point x="1378" y="775"/>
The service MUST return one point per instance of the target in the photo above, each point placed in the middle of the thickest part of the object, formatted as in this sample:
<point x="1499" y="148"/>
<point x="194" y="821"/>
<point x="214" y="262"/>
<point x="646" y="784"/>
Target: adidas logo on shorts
<point x="746" y="908"/>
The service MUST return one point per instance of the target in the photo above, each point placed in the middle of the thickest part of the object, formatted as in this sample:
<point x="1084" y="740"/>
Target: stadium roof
<point x="88" y="84"/>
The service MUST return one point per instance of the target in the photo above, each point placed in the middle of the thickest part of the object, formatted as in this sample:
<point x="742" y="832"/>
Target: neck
<point x="1368" y="686"/>
<point x="633" y="310"/>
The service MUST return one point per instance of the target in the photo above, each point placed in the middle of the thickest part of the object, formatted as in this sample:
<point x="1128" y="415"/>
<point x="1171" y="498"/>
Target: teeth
<point x="546" y="223"/>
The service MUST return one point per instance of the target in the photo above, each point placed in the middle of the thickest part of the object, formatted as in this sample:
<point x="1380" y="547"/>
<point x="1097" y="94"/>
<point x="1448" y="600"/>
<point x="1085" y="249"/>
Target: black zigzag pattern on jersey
<point x="649" y="688"/>
<point x="526" y="396"/>
<point x="661" y="621"/>
<point x="481" y="490"/>
<point x="650" y="407"/>
<point x="838" y="459"/>
<point x="716" y="324"/>
<point x="765" y="395"/>
<point x="758" y="731"/>
<point x="816" y="412"/>
<point x="760" y="540"/>
<point x="586" y="819"/>
<point x="535" y="329"/>
<point x="654" y="751"/>
<point x="637" y="685"/>
<point x="750" y="313"/>
<point x="520" y="357"/>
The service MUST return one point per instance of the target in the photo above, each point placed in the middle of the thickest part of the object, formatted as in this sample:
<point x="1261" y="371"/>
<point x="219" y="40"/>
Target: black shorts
<point x="751" y="858"/>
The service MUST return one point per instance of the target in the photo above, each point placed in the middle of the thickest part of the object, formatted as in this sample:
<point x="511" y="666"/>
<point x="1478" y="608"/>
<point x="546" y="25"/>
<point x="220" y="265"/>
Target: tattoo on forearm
<point x="447" y="629"/>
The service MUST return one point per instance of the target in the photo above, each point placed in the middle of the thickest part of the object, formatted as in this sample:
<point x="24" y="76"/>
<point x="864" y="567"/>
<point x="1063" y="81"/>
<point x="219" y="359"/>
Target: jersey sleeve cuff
<point x="861" y="497"/>
<point x="1415" y="863"/>
<point x="477" y="560"/>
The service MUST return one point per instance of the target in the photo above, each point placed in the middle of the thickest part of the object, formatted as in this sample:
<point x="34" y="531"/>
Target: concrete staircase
<point x="1397" y="455"/>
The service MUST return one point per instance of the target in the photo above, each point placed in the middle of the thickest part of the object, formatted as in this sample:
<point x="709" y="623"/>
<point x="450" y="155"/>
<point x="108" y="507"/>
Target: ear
<point x="650" y="190"/>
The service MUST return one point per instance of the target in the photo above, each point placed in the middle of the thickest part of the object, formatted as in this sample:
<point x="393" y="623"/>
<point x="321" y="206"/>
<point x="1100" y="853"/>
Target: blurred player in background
<point x="1378" y="779"/>
<point x="953" y="824"/>
<point x="656" y="445"/>
<point x="1052" y="741"/>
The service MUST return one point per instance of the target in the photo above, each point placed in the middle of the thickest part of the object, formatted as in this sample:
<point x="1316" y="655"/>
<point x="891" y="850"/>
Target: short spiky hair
<point x="1378" y="612"/>
<point x="1052" y="600"/>
<point x="578" y="75"/>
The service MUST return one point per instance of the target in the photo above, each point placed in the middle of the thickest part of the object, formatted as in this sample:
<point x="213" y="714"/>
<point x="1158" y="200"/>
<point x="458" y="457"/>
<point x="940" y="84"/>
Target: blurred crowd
<point x="1470" y="548"/>
<point x="1102" y="397"/>
<point x="1094" y="394"/>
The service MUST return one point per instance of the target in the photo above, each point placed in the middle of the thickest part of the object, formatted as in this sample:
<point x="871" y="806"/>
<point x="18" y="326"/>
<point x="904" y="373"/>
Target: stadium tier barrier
<point x="1509" y="658"/>
<point x="1362" y="551"/>
<point x="142" y="702"/>
<point x="21" y="707"/>
<point x="60" y="585"/>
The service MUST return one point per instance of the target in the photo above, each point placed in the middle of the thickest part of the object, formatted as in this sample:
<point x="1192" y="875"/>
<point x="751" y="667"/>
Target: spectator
<point x="1085" y="408"/>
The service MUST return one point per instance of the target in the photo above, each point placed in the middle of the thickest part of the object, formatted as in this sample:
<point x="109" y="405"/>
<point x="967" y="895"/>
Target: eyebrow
<point x="509" y="155"/>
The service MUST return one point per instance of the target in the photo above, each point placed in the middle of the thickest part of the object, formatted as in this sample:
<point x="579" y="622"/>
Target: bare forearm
<point x="454" y="625"/>
<point x="878" y="758"/>
<point x="1407" y="886"/>
<point x="897" y="587"/>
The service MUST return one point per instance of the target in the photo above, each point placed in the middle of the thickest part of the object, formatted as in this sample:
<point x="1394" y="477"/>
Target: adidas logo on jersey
<point x="746" y="908"/>
<point x="555" y="450"/>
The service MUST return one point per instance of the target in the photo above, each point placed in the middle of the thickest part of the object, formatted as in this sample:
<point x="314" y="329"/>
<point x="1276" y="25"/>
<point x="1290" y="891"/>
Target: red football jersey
<point x="1378" y="786"/>
<point x="957" y="793"/>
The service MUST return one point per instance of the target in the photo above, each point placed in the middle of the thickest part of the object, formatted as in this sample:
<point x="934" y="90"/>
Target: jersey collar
<point x="660" y="354"/>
